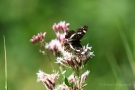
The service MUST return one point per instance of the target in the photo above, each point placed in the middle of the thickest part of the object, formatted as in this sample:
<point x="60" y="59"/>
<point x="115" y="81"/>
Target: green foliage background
<point x="111" y="34"/>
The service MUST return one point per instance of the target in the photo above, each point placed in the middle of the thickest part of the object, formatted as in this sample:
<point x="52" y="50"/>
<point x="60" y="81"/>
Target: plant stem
<point x="43" y="47"/>
<point x="49" y="60"/>
<point x="6" y="81"/>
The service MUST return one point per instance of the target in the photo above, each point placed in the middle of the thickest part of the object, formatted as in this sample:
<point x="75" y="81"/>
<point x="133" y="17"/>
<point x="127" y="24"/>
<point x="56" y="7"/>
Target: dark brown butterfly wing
<point x="76" y="36"/>
<point x="73" y="39"/>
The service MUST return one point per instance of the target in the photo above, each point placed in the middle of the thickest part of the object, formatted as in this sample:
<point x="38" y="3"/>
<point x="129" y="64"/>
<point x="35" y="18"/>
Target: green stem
<point x="79" y="82"/>
<point x="49" y="60"/>
<point x="6" y="81"/>
<point x="43" y="47"/>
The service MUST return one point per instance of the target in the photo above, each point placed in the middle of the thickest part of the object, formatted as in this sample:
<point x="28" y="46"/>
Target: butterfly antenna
<point x="84" y="38"/>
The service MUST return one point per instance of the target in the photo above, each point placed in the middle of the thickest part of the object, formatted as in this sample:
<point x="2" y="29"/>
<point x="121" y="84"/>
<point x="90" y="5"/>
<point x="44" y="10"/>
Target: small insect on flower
<point x="73" y="39"/>
<point x="69" y="53"/>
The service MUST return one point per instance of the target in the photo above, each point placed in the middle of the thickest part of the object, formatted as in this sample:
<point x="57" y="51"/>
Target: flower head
<point x="62" y="25"/>
<point x="84" y="76"/>
<point x="75" y="59"/>
<point x="47" y="79"/>
<point x="78" y="81"/>
<point x="69" y="53"/>
<point x="66" y="59"/>
<point x="61" y="37"/>
<point x="54" y="46"/>
<point x="63" y="86"/>
<point x="38" y="38"/>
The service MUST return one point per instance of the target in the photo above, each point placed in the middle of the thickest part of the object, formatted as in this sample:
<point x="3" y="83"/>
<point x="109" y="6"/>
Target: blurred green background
<point x="111" y="34"/>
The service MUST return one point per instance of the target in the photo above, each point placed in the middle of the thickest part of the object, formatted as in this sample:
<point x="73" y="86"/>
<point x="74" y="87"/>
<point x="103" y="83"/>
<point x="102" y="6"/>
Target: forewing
<point x="69" y="34"/>
<point x="81" y="31"/>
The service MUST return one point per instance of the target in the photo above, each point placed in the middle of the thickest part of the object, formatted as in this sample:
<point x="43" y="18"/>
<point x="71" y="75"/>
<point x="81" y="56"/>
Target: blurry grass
<point x="127" y="47"/>
<point x="6" y="81"/>
<point x="117" y="72"/>
<point x="134" y="43"/>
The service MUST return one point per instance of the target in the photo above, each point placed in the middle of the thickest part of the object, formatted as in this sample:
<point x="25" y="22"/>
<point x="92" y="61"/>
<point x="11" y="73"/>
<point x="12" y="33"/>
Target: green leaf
<point x="67" y="82"/>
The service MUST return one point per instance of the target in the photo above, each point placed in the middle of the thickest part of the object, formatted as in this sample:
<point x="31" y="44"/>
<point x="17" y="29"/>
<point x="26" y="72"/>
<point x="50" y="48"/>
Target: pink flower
<point x="63" y="86"/>
<point x="84" y="76"/>
<point x="89" y="55"/>
<point x="54" y="46"/>
<point x="67" y="55"/>
<point x="72" y="79"/>
<point x="38" y="38"/>
<point x="86" y="54"/>
<point x="47" y="79"/>
<point x="41" y="76"/>
<point x="85" y="49"/>
<point x="61" y="37"/>
<point x="78" y="81"/>
<point x="61" y="26"/>
<point x="66" y="59"/>
<point x="75" y="61"/>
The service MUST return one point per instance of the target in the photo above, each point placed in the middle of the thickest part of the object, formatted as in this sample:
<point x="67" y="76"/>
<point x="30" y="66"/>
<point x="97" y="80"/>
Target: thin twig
<point x="42" y="46"/>
<point x="49" y="60"/>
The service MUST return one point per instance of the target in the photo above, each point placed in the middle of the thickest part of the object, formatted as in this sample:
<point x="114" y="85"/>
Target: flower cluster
<point x="61" y="26"/>
<point x="74" y="59"/>
<point x="47" y="79"/>
<point x="38" y="38"/>
<point x="55" y="46"/>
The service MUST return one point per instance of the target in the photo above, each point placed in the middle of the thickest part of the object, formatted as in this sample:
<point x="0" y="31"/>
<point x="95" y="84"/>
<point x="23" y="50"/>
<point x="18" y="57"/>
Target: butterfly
<point x="73" y="39"/>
